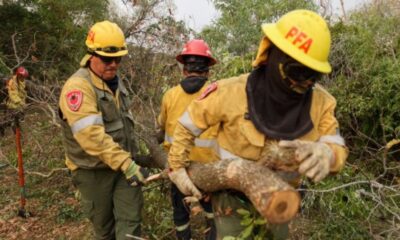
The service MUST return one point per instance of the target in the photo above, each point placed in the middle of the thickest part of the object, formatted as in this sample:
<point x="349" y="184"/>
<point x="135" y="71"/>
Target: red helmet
<point x="21" y="71"/>
<point x="196" y="47"/>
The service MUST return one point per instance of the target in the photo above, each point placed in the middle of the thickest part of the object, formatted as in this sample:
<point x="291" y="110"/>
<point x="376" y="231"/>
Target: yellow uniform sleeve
<point x="329" y="126"/>
<point x="200" y="115"/>
<point x="92" y="138"/>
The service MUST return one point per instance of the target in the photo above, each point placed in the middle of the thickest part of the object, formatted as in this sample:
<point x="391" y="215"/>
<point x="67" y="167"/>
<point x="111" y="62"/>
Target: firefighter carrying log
<point x="279" y="101"/>
<point x="196" y="58"/>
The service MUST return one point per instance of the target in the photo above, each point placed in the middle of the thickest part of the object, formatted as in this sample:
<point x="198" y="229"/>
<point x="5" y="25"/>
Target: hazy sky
<point x="198" y="13"/>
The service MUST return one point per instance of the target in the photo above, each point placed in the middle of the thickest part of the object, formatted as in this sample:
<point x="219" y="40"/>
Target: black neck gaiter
<point x="193" y="84"/>
<point x="275" y="109"/>
<point x="112" y="84"/>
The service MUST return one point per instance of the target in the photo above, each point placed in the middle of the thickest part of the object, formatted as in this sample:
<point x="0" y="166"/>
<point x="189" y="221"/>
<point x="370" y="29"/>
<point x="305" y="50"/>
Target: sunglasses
<point x="109" y="60"/>
<point x="110" y="49"/>
<point x="300" y="73"/>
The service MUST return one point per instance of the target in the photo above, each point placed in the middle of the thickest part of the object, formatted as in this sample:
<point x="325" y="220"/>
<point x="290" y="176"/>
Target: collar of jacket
<point x="98" y="83"/>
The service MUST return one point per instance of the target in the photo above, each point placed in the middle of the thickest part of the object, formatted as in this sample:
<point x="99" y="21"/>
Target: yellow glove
<point x="183" y="182"/>
<point x="315" y="158"/>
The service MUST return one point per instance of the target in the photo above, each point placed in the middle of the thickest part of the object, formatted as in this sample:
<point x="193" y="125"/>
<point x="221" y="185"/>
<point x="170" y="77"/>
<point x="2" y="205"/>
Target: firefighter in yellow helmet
<point x="280" y="100"/>
<point x="99" y="146"/>
<point x="196" y="59"/>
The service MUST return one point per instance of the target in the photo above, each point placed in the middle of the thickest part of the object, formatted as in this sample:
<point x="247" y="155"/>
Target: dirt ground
<point x="49" y="218"/>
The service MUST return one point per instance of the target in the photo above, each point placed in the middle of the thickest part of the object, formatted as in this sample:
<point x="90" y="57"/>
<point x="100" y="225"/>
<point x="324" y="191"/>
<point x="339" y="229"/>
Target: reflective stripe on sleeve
<point x="206" y="143"/>
<point x="198" y="142"/>
<point x="225" y="154"/>
<point x="336" y="139"/>
<point x="187" y="122"/>
<point x="86" y="122"/>
<point x="168" y="138"/>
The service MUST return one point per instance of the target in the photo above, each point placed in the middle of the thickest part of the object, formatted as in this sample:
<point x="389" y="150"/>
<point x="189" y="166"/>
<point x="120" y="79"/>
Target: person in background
<point x="15" y="99"/>
<point x="16" y="89"/>
<point x="279" y="101"/>
<point x="197" y="59"/>
<point x="97" y="127"/>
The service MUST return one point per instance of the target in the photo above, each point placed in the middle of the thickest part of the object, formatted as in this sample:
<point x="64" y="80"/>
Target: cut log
<point x="274" y="199"/>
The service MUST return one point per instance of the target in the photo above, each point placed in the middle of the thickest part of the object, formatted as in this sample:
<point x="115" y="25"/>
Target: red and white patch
<point x="74" y="99"/>
<point x="211" y="88"/>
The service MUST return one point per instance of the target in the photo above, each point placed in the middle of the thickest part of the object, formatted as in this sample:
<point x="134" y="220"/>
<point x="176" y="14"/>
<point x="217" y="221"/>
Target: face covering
<point x="193" y="84"/>
<point x="298" y="77"/>
<point x="274" y="107"/>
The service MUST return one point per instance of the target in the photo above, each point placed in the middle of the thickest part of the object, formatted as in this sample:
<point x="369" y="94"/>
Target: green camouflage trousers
<point x="111" y="204"/>
<point x="227" y="219"/>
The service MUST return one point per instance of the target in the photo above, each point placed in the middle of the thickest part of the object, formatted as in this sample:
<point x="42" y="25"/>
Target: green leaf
<point x="246" y="221"/>
<point x="260" y="221"/>
<point x="247" y="232"/>
<point x="243" y="212"/>
<point x="229" y="238"/>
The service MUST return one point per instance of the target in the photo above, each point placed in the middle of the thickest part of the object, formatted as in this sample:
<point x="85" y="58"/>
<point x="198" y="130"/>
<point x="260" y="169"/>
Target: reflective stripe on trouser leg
<point x="209" y="215"/>
<point x="182" y="227"/>
<point x="181" y="214"/>
<point x="183" y="232"/>
<point x="211" y="233"/>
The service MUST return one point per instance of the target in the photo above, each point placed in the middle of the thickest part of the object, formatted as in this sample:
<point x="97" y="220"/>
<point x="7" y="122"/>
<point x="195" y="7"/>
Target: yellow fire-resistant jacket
<point x="16" y="93"/>
<point x="237" y="136"/>
<point x="88" y="125"/>
<point x="174" y="104"/>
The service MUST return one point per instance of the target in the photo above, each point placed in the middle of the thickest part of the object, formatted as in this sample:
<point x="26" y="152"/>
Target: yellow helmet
<point x="106" y="39"/>
<point x="303" y="35"/>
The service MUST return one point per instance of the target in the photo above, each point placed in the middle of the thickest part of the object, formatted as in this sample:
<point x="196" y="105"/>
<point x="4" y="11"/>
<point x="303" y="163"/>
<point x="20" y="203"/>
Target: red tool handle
<point x="21" y="177"/>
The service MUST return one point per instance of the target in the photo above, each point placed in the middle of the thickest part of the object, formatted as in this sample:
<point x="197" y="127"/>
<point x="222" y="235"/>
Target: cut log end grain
<point x="282" y="206"/>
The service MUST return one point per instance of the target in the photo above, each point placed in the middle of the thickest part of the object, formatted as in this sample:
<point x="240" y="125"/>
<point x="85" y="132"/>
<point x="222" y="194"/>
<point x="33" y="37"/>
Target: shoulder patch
<point x="74" y="99"/>
<point x="211" y="88"/>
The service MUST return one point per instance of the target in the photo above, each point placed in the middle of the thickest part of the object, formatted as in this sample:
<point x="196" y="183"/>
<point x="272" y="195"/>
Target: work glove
<point x="315" y="158"/>
<point x="136" y="175"/>
<point x="183" y="182"/>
